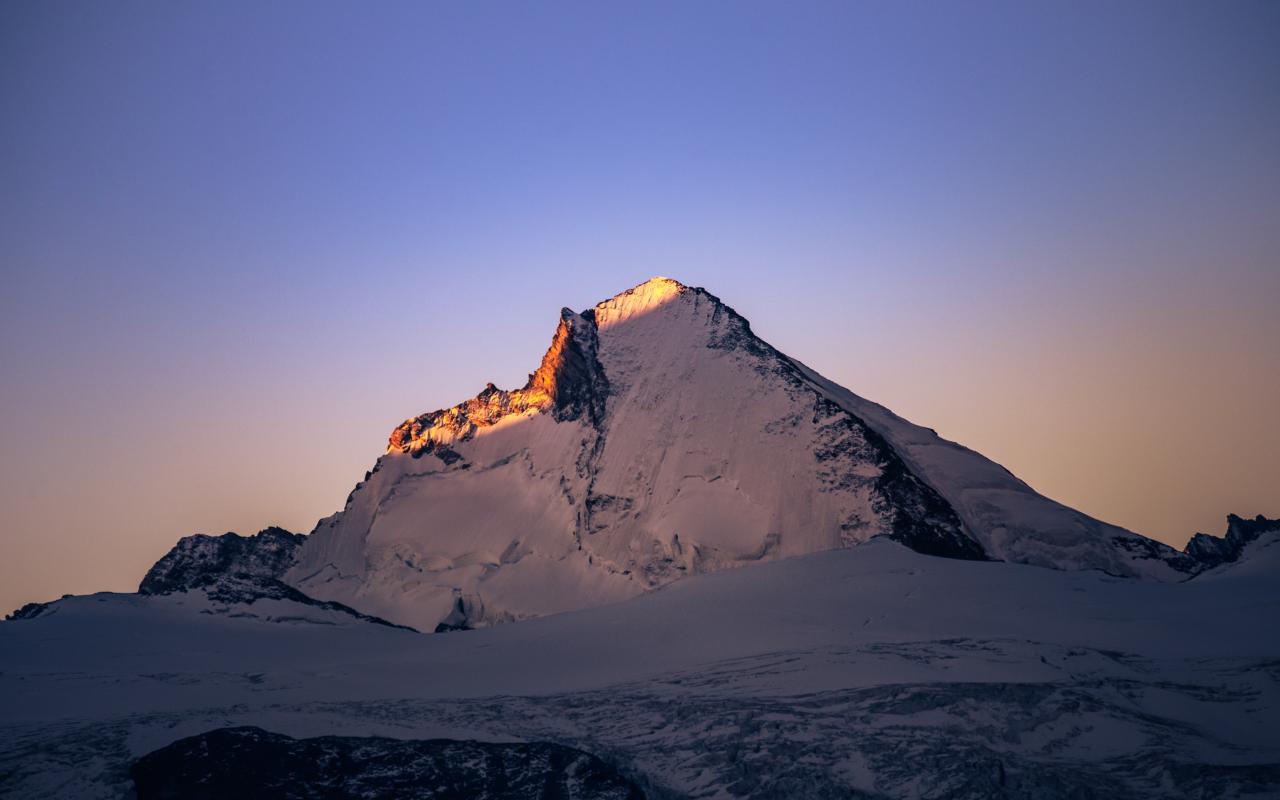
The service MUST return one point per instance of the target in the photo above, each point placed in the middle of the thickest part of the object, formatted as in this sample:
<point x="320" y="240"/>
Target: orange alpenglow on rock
<point x="567" y="383"/>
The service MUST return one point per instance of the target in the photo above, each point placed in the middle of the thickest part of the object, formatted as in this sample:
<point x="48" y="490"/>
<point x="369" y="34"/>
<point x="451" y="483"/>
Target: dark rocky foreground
<point x="248" y="762"/>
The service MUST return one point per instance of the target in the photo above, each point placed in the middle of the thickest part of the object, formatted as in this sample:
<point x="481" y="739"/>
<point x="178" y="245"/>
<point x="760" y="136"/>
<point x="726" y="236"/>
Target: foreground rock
<point x="248" y="763"/>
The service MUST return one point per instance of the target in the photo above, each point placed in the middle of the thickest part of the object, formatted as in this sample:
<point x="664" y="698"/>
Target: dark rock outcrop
<point x="199" y="561"/>
<point x="249" y="763"/>
<point x="1210" y="551"/>
<point x="234" y="569"/>
<point x="32" y="610"/>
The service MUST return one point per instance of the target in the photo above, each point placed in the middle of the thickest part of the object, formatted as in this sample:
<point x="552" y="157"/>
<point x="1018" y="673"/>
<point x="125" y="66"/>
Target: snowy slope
<point x="874" y="669"/>
<point x="1010" y="519"/>
<point x="661" y="438"/>
<point x="232" y="599"/>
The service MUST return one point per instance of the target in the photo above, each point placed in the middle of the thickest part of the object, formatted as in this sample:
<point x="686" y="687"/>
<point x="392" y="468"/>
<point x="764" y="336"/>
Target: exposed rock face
<point x="250" y="763"/>
<point x="199" y="561"/>
<point x="1210" y="551"/>
<point x="569" y="384"/>
<point x="32" y="610"/>
<point x="658" y="438"/>
<point x="235" y="570"/>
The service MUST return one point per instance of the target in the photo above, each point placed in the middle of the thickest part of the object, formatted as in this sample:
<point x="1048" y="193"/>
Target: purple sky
<point x="241" y="241"/>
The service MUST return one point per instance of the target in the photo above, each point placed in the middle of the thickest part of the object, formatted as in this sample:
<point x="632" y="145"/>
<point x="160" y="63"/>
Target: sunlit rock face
<point x="568" y="384"/>
<point x="659" y="438"/>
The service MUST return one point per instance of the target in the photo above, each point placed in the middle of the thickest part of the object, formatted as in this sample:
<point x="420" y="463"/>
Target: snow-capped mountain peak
<point x="660" y="437"/>
<point x="642" y="299"/>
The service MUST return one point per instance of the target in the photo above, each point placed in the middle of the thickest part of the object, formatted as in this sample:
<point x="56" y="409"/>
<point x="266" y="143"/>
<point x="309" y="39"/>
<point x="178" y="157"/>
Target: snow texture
<point x="873" y="671"/>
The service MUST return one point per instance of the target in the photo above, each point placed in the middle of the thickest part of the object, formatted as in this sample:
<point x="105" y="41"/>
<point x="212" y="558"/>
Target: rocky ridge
<point x="198" y="561"/>
<point x="568" y="383"/>
<point x="1211" y="551"/>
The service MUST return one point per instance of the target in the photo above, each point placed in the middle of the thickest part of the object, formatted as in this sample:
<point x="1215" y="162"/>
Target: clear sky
<point x="240" y="241"/>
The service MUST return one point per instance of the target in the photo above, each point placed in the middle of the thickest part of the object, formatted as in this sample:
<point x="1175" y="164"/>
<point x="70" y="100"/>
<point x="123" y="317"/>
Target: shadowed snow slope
<point x="661" y="438"/>
<point x="809" y="676"/>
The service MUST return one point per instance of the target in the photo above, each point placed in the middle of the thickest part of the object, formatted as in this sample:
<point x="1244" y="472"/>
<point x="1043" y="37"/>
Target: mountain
<point x="660" y="438"/>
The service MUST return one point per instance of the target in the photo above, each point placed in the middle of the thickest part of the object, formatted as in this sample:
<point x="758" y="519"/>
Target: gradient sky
<point x="240" y="241"/>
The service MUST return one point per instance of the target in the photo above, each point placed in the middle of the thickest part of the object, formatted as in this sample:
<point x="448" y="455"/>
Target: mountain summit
<point x="658" y="438"/>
